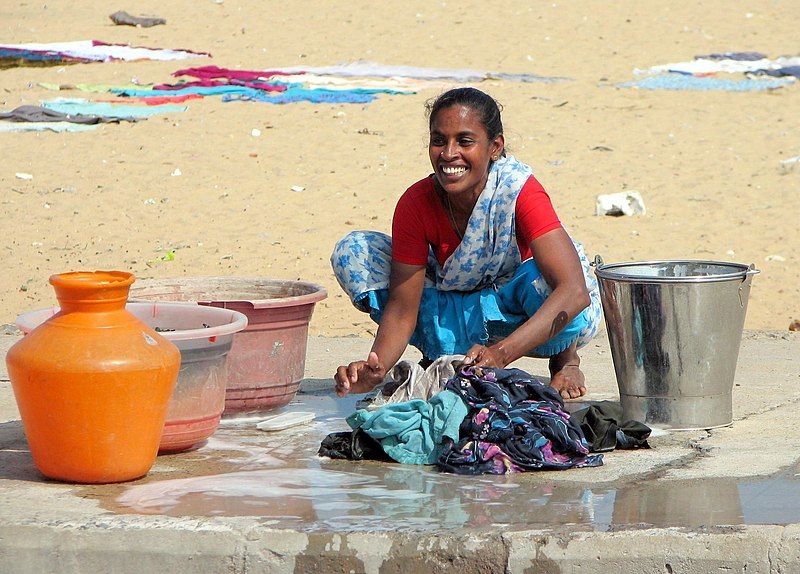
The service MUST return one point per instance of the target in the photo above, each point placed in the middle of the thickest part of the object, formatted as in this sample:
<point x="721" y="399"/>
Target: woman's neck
<point x="460" y="203"/>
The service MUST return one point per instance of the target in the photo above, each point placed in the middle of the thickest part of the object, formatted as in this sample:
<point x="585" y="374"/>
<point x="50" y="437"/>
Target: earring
<point x="495" y="158"/>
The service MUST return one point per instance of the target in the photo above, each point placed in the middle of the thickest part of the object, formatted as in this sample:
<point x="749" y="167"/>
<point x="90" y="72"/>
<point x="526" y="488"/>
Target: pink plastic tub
<point x="204" y="336"/>
<point x="268" y="358"/>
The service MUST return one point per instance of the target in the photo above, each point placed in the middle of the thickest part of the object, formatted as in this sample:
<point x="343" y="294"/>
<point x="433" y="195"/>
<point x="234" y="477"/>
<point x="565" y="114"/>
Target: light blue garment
<point x="314" y="96"/>
<point x="450" y="322"/>
<point x="81" y="107"/>
<point x="695" y="83"/>
<point x="413" y="432"/>
<point x="46" y="126"/>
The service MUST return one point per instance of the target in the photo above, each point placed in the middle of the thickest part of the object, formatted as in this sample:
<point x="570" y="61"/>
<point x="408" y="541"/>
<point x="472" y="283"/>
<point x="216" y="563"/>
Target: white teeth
<point x="453" y="170"/>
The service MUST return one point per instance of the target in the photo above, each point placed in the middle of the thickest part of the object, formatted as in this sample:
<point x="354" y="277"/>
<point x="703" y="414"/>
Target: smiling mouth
<point x="447" y="170"/>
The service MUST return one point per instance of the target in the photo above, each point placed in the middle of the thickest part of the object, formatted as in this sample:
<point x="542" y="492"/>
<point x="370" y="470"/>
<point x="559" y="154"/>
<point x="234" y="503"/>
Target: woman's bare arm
<point x="397" y="324"/>
<point x="560" y="266"/>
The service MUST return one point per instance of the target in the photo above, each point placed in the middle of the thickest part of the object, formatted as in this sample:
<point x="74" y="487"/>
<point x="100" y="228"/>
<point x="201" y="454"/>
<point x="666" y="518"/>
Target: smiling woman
<point x="478" y="262"/>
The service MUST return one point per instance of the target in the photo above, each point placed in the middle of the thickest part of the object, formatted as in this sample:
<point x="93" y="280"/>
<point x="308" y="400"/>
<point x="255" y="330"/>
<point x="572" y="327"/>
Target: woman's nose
<point x="450" y="151"/>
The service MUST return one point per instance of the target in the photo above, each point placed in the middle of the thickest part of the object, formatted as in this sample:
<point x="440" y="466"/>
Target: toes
<point x="572" y="392"/>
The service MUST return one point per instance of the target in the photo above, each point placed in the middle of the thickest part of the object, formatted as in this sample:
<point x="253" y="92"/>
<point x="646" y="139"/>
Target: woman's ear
<point x="498" y="145"/>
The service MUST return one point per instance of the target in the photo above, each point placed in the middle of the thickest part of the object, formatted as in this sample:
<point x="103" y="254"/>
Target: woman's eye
<point x="465" y="142"/>
<point x="437" y="143"/>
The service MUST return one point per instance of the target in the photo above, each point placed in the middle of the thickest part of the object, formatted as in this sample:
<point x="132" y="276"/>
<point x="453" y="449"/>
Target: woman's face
<point x="460" y="151"/>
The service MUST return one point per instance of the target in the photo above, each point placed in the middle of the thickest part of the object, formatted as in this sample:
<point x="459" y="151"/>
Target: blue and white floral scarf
<point x="488" y="253"/>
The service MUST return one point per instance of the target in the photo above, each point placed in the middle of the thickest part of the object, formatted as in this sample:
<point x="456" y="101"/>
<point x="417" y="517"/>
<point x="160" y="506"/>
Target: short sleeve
<point x="409" y="241"/>
<point x="534" y="212"/>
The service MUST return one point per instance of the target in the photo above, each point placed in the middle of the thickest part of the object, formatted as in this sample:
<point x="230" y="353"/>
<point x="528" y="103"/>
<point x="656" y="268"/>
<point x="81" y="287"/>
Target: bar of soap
<point x="285" y="421"/>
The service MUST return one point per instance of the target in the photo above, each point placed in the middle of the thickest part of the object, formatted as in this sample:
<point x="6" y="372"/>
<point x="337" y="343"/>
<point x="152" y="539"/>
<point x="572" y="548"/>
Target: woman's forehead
<point x="458" y="118"/>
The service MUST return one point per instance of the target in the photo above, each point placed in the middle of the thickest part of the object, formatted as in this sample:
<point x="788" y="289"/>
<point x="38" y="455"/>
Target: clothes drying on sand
<point x="92" y="51"/>
<point x="42" y="114"/>
<point x="78" y="106"/>
<point x="702" y="66"/>
<point x="701" y="84"/>
<point x="6" y="127"/>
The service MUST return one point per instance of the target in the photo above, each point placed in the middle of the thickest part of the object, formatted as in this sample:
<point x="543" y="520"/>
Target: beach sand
<point x="708" y="164"/>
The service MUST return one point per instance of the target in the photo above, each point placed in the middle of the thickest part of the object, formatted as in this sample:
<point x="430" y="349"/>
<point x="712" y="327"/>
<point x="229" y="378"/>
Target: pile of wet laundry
<point x="473" y="420"/>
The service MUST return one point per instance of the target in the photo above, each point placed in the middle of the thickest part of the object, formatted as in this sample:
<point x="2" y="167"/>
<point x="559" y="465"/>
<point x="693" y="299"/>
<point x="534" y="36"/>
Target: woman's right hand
<point x="359" y="376"/>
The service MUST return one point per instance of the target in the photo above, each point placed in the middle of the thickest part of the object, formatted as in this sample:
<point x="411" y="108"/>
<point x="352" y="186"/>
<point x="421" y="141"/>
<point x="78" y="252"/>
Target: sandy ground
<point x="706" y="163"/>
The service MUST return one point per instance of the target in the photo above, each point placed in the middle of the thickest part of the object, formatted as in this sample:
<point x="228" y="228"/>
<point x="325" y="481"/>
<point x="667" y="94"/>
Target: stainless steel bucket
<point x="675" y="329"/>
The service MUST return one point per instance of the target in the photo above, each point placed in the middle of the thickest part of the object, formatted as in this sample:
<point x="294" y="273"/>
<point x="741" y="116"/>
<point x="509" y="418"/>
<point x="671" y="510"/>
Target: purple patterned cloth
<point x="515" y="423"/>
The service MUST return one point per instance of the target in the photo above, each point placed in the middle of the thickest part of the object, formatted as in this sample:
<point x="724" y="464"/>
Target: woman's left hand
<point x="482" y="356"/>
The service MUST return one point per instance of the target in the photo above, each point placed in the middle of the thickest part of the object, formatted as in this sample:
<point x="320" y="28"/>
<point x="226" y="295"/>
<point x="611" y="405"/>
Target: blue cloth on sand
<point x="703" y="84"/>
<point x="81" y="107"/>
<point x="314" y="96"/>
<point x="413" y="432"/>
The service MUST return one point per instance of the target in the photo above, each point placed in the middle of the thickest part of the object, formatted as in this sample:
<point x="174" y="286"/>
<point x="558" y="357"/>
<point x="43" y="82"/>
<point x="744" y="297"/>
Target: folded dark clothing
<point x="604" y="429"/>
<point x="515" y="424"/>
<point x="353" y="445"/>
<point x="741" y="56"/>
<point x="40" y="114"/>
<point x="123" y="18"/>
<point x="781" y="72"/>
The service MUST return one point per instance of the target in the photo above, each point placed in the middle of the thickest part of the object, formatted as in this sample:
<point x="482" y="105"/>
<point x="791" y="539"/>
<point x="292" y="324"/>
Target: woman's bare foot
<point x="565" y="374"/>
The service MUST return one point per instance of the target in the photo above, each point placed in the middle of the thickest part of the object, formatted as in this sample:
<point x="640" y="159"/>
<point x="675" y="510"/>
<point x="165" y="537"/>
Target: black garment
<point x="741" y="56"/>
<point x="42" y="114"/>
<point x="602" y="425"/>
<point x="353" y="445"/>
<point x="780" y="72"/>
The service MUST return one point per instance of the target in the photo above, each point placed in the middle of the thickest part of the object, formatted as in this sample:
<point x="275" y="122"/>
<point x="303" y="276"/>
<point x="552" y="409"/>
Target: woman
<point x="478" y="263"/>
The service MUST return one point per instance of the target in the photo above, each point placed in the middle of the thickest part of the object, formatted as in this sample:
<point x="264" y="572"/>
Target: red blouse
<point x="420" y="222"/>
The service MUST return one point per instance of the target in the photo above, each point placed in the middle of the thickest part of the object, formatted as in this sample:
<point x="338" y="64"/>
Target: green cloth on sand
<point x="93" y="88"/>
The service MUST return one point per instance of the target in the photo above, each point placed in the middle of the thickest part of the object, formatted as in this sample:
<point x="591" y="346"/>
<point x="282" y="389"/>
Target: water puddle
<point x="279" y="478"/>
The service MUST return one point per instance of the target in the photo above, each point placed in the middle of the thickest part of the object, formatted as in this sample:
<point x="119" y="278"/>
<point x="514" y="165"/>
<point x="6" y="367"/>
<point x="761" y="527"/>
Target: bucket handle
<point x="752" y="270"/>
<point x="749" y="273"/>
<point x="598" y="261"/>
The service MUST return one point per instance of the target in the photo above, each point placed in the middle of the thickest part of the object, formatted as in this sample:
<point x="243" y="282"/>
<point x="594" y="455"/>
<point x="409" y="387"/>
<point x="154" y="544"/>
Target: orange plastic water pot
<point x="93" y="382"/>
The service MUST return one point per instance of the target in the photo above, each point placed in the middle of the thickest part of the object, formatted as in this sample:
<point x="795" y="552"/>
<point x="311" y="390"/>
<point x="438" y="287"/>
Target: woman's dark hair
<point x="484" y="104"/>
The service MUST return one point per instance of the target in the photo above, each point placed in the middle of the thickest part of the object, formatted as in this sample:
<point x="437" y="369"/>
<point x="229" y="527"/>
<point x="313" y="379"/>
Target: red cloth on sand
<point x="267" y="87"/>
<point x="211" y="72"/>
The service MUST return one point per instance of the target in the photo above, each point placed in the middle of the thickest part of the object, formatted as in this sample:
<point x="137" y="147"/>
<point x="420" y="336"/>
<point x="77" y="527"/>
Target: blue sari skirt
<point x="450" y="322"/>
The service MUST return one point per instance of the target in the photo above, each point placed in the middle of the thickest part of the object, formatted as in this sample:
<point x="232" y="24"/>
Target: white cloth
<point x="707" y="66"/>
<point x="85" y="50"/>
<point x="408" y="381"/>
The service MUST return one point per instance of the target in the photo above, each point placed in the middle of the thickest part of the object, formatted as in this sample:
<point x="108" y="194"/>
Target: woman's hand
<point x="481" y="356"/>
<point x="359" y="376"/>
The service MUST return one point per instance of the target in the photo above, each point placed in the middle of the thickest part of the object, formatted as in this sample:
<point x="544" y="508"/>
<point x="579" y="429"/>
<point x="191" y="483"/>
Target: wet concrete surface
<point x="735" y="488"/>
<point x="280" y="478"/>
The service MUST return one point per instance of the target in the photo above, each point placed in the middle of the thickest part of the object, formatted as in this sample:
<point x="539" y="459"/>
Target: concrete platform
<point x="249" y="501"/>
